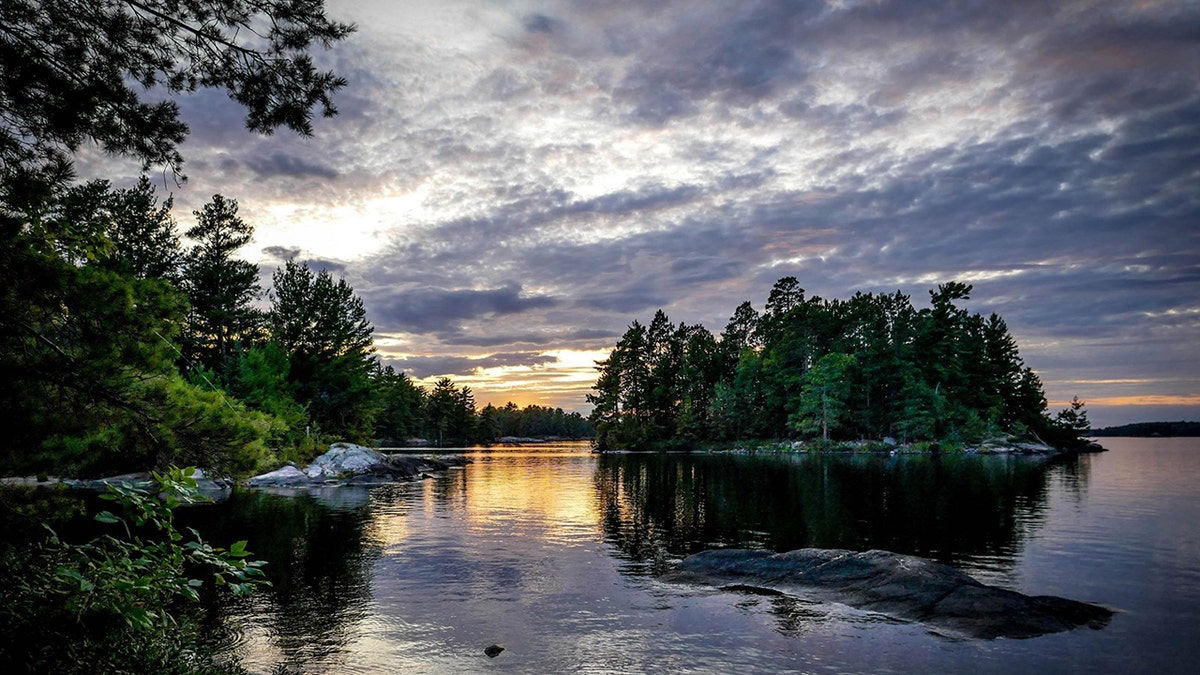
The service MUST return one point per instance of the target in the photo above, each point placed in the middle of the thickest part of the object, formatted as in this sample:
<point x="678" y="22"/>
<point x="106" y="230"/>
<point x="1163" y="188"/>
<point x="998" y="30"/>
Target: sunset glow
<point x="508" y="185"/>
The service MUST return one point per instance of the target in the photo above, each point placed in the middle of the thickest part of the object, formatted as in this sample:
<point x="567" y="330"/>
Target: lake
<point x="555" y="553"/>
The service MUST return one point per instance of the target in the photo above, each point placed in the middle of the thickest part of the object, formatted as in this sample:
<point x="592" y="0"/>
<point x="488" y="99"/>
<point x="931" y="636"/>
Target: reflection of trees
<point x="319" y="564"/>
<point x="949" y="508"/>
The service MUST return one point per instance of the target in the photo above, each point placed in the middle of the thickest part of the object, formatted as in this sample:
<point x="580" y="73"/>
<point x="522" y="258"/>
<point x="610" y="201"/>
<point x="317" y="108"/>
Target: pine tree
<point x="221" y="289"/>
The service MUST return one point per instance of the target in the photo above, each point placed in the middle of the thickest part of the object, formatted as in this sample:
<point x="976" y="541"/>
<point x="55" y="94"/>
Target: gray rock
<point x="349" y="464"/>
<point x="287" y="475"/>
<point x="902" y="586"/>
<point x="343" y="459"/>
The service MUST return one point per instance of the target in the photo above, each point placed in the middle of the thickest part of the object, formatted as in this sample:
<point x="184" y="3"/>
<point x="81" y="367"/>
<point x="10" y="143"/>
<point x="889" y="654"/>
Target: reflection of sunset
<point x="502" y="484"/>
<point x="389" y="530"/>
<point x="535" y="494"/>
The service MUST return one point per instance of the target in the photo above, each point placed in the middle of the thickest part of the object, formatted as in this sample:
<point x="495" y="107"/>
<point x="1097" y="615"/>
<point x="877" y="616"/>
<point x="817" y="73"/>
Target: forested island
<point x="870" y="368"/>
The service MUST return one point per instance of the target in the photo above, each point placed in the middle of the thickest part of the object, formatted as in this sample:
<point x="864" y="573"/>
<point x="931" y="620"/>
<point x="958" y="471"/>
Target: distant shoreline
<point x="1150" y="430"/>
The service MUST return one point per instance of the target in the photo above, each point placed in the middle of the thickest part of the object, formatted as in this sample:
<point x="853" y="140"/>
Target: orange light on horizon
<point x="1146" y="399"/>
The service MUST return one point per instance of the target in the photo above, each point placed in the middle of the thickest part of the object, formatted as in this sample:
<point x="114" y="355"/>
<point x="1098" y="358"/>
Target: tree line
<point x="870" y="367"/>
<point x="124" y="348"/>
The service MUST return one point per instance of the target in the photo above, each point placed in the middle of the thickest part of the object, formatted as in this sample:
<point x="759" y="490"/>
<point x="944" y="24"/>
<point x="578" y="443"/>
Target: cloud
<point x="439" y="310"/>
<point x="283" y="164"/>
<point x="503" y="179"/>
<point x="281" y="253"/>
<point x="422" y="367"/>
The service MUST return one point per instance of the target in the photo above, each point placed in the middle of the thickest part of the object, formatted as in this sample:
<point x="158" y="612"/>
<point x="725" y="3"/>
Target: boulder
<point x="901" y="586"/>
<point x="349" y="464"/>
<point x="288" y="475"/>
<point x="345" y="459"/>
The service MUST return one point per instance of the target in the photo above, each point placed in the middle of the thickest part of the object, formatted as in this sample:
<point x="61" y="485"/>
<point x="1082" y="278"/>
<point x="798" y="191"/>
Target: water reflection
<point x="968" y="511"/>
<point x="554" y="552"/>
<point x="318" y="556"/>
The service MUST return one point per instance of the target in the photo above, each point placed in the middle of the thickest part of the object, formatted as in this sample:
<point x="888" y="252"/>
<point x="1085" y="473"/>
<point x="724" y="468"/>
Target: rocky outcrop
<point x="902" y="586"/>
<point x="210" y="488"/>
<point x="349" y="464"/>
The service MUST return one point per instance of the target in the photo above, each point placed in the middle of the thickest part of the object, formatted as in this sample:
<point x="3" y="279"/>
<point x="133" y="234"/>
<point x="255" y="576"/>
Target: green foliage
<point x="71" y="73"/>
<point x="1069" y="426"/>
<point x="323" y="327"/>
<point x="868" y="367"/>
<point x="112" y="604"/>
<point x="531" y="421"/>
<point x="824" y="396"/>
<point x="401" y="406"/>
<point x="221" y="289"/>
<point x="450" y="414"/>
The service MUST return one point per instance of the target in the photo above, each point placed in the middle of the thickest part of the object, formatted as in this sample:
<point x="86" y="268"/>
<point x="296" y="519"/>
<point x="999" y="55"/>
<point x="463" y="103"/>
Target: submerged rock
<point x="902" y="586"/>
<point x="211" y="489"/>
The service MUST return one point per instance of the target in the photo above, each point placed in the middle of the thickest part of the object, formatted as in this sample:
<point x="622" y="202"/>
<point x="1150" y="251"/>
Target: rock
<point x="349" y="464"/>
<point x="902" y="586"/>
<point x="493" y="650"/>
<point x="288" y="475"/>
<point x="343" y="459"/>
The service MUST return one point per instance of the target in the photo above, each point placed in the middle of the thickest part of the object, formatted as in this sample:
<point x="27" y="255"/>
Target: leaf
<point x="238" y="549"/>
<point x="106" y="517"/>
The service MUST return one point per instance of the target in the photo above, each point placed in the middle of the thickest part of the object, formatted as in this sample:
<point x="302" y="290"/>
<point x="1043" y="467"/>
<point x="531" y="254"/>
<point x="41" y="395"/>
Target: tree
<point x="401" y="406"/>
<point x="83" y="335"/>
<point x="220" y="287"/>
<point x="871" y="365"/>
<point x="1070" y="425"/>
<point x="144" y="240"/>
<point x="824" y="396"/>
<point x="73" y="72"/>
<point x="606" y="402"/>
<point x="323" y="327"/>
<point x="450" y="413"/>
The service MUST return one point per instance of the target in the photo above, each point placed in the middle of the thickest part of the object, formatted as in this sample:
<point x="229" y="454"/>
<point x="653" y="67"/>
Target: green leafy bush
<point x="117" y="603"/>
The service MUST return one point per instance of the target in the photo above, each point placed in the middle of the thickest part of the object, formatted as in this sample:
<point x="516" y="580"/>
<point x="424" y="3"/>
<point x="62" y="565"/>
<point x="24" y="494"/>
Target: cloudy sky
<point x="509" y="184"/>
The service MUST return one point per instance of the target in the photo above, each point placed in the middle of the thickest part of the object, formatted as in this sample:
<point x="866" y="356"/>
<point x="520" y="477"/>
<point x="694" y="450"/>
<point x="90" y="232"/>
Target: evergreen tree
<point x="869" y="366"/>
<point x="450" y="414"/>
<point x="401" y="406"/>
<point x="145" y="243"/>
<point x="73" y="72"/>
<point x="323" y="327"/>
<point x="221" y="289"/>
<point x="824" y="397"/>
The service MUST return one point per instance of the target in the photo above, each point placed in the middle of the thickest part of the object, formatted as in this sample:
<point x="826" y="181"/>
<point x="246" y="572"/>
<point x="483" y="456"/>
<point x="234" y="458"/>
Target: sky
<point x="509" y="184"/>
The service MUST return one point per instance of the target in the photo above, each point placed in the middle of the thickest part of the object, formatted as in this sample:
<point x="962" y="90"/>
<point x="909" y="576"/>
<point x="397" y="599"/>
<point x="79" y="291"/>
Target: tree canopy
<point x="870" y="367"/>
<point x="103" y="71"/>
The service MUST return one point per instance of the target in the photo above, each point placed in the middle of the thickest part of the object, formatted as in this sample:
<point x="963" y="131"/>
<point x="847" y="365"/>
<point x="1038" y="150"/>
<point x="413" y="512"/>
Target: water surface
<point x="554" y="552"/>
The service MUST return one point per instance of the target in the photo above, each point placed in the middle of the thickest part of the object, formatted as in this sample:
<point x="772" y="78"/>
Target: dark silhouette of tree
<point x="75" y="72"/>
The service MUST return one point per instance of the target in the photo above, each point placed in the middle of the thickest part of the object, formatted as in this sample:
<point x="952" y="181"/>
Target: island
<point x="872" y="372"/>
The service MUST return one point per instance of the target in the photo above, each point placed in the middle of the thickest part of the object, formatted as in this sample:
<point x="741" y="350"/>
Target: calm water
<point x="554" y="553"/>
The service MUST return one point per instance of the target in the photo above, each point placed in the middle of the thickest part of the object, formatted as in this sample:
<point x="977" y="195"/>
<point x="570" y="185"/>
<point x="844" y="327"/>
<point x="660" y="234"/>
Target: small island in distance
<point x="1150" y="430"/>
